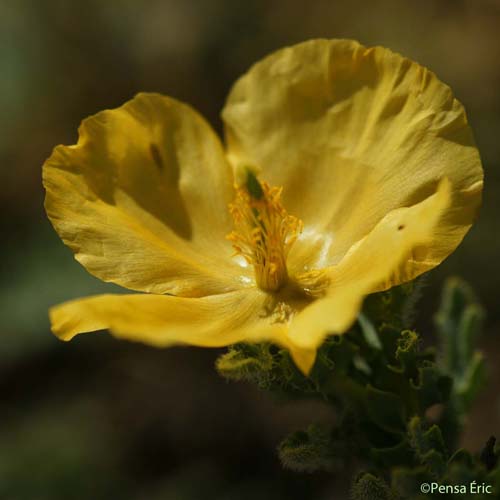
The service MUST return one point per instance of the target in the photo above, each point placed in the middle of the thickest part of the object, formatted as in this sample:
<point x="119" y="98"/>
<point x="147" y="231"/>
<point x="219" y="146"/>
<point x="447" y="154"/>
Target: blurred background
<point x="97" y="418"/>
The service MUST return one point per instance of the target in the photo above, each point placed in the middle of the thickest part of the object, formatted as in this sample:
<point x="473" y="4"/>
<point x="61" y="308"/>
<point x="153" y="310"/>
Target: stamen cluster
<point x="264" y="232"/>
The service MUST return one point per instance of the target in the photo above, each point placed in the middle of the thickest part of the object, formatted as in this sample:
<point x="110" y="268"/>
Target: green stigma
<point x="253" y="186"/>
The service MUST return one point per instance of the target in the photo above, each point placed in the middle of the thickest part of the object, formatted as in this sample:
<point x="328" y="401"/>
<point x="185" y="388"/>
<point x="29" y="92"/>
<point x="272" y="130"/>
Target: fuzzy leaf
<point x="369" y="487"/>
<point x="429" y="446"/>
<point x="433" y="387"/>
<point x="307" y="451"/>
<point x="385" y="409"/>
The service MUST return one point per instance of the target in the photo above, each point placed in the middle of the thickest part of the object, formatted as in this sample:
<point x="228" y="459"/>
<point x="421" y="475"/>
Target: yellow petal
<point x="304" y="358"/>
<point x="382" y="258"/>
<point x="142" y="199"/>
<point x="351" y="134"/>
<point x="161" y="320"/>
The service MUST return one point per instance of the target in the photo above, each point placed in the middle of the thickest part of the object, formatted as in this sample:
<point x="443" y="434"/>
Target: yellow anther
<point x="264" y="231"/>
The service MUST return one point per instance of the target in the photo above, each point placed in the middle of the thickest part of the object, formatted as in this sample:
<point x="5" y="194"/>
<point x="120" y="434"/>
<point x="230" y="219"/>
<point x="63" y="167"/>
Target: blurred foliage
<point x="401" y="408"/>
<point x="142" y="424"/>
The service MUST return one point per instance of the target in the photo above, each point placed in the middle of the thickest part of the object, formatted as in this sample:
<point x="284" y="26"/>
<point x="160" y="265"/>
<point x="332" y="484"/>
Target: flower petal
<point x="142" y="199"/>
<point x="161" y="320"/>
<point x="351" y="134"/>
<point x="385" y="256"/>
<point x="303" y="358"/>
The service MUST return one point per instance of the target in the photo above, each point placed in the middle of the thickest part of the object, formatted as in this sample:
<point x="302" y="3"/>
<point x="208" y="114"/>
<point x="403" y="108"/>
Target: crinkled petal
<point x="379" y="260"/>
<point x="353" y="133"/>
<point x="162" y="320"/>
<point x="142" y="198"/>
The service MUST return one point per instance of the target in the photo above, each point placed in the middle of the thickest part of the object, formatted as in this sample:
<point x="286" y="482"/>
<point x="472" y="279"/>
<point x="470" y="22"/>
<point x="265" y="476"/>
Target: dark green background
<point x="98" y="418"/>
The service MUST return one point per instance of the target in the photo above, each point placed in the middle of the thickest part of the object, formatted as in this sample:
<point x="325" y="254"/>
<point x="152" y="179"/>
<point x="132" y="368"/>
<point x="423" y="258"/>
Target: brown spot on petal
<point x="155" y="154"/>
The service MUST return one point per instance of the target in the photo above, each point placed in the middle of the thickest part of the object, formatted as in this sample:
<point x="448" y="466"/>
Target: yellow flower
<point x="347" y="170"/>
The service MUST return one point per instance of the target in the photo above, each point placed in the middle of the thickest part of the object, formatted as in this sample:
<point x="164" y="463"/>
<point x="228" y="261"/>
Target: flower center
<point x="264" y="231"/>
